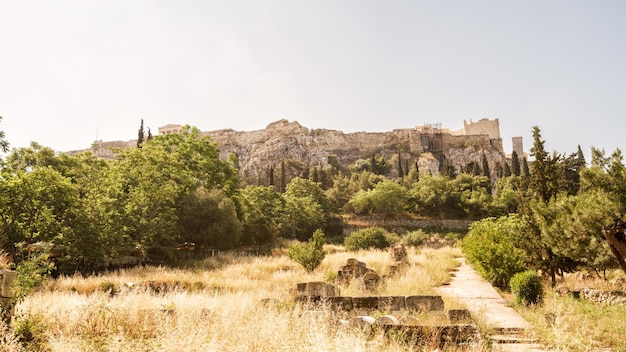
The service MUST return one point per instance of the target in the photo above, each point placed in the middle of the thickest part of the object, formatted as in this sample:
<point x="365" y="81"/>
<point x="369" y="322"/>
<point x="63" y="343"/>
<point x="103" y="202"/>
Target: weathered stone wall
<point x="402" y="225"/>
<point x="483" y="126"/>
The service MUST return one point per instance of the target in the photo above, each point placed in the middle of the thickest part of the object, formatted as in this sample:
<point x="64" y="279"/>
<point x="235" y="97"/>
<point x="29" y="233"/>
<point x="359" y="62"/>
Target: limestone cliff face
<point x="289" y="141"/>
<point x="302" y="148"/>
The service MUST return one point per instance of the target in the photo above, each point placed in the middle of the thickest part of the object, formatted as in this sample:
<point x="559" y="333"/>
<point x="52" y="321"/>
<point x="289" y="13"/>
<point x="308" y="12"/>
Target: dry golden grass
<point x="217" y="306"/>
<point x="569" y="324"/>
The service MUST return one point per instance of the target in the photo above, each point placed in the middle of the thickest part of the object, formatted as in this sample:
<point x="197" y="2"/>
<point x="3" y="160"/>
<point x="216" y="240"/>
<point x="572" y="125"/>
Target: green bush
<point x="30" y="331"/>
<point x="371" y="237"/>
<point x="415" y="238"/>
<point x="108" y="287"/>
<point x="527" y="287"/>
<point x="310" y="254"/>
<point x="491" y="247"/>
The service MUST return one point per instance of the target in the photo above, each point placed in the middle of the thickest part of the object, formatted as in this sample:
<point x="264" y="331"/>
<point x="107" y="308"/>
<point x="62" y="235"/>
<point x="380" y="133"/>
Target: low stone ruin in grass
<point x="393" y="315"/>
<point x="355" y="270"/>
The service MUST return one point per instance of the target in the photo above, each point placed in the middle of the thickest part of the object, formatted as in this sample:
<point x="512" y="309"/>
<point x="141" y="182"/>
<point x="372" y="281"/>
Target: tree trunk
<point x="617" y="243"/>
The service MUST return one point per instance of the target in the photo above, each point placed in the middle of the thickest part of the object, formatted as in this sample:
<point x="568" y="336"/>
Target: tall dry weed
<point x="216" y="306"/>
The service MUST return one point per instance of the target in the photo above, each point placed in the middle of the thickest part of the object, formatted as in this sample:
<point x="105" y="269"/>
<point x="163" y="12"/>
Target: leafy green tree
<point x="4" y="144"/>
<point x="97" y="230"/>
<point x="387" y="198"/>
<point x="340" y="193"/>
<point x="299" y="188"/>
<point x="431" y="196"/>
<point x="158" y="176"/>
<point x="508" y="193"/>
<point x="262" y="212"/>
<point x="36" y="206"/>
<point x="472" y="196"/>
<point x="310" y="254"/>
<point x="209" y="220"/>
<point x="301" y="217"/>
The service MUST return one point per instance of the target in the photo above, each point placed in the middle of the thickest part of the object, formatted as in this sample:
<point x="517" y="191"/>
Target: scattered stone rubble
<point x="356" y="270"/>
<point x="596" y="296"/>
<point x="604" y="297"/>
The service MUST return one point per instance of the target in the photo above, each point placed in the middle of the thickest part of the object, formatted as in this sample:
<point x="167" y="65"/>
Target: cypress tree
<point x="283" y="177"/>
<point x="400" y="170"/>
<point x="525" y="170"/>
<point x="515" y="166"/>
<point x="140" y="135"/>
<point x="485" y="166"/>
<point x="507" y="169"/>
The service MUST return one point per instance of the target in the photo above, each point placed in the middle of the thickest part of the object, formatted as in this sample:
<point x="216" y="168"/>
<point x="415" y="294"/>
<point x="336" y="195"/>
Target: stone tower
<point x="518" y="146"/>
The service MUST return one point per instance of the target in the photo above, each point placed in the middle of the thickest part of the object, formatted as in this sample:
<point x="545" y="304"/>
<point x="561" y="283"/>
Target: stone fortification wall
<point x="483" y="126"/>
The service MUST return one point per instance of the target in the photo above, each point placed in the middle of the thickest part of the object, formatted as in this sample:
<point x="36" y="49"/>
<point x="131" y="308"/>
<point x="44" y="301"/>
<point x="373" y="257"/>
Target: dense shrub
<point x="310" y="254"/>
<point x="491" y="246"/>
<point x="30" y="331"/>
<point x="527" y="287"/>
<point x="415" y="238"/>
<point x="371" y="237"/>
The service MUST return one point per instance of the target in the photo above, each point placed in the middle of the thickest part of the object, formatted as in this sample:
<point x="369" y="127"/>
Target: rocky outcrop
<point x="289" y="141"/>
<point x="302" y="148"/>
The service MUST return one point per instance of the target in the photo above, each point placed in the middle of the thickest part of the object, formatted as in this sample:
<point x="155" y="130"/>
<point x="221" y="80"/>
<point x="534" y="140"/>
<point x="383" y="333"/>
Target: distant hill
<point x="302" y="148"/>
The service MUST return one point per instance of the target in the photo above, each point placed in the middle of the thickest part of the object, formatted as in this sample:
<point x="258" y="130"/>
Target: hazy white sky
<point x="71" y="71"/>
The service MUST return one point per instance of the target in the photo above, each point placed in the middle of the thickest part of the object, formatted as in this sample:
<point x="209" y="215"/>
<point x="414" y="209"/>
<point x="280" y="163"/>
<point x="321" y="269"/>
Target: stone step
<point x="512" y="339"/>
<point x="508" y="331"/>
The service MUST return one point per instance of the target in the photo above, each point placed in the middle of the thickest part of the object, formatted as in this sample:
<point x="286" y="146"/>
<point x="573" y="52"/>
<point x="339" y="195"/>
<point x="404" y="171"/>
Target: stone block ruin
<point x="393" y="315"/>
<point x="355" y="270"/>
<point x="7" y="304"/>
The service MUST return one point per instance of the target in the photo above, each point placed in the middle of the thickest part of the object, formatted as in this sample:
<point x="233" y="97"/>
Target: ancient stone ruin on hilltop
<point x="302" y="148"/>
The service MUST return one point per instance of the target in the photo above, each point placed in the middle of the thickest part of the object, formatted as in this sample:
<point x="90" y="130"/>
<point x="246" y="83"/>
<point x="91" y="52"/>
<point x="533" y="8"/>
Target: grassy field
<point x="213" y="306"/>
<point x="569" y="324"/>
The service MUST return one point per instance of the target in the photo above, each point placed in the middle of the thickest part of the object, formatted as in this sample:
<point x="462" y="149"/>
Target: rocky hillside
<point x="302" y="148"/>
